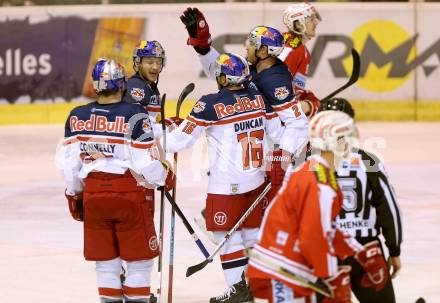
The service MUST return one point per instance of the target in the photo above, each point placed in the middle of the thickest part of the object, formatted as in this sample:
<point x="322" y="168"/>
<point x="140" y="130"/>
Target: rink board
<point x="398" y="48"/>
<point x="48" y="113"/>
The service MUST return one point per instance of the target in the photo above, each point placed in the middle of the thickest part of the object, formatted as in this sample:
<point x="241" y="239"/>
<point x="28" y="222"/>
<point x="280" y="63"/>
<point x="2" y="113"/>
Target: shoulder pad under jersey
<point x="137" y="91"/>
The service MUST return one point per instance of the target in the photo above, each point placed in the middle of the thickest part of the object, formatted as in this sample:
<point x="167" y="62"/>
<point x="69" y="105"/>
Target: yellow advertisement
<point x="115" y="38"/>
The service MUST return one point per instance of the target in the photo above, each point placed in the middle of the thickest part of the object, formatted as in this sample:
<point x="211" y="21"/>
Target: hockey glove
<point x="170" y="180"/>
<point x="76" y="206"/>
<point x="340" y="286"/>
<point x="278" y="161"/>
<point x="373" y="262"/>
<point x="312" y="101"/>
<point x="198" y="30"/>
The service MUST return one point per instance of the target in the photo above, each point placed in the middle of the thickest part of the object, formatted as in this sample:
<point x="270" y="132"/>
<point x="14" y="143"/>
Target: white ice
<point x="41" y="246"/>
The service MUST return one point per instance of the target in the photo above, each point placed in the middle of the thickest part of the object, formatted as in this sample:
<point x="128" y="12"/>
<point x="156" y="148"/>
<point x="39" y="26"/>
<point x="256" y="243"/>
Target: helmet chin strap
<point x="260" y="59"/>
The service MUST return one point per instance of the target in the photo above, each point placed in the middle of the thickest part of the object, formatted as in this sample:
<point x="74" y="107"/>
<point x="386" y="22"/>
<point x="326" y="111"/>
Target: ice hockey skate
<point x="237" y="293"/>
<point x="151" y="299"/>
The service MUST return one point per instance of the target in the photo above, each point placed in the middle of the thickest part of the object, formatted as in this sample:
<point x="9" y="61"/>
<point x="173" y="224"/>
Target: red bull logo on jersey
<point x="243" y="104"/>
<point x="99" y="124"/>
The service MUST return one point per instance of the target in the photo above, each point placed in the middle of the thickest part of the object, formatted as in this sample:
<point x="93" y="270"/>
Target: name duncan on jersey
<point x="243" y="104"/>
<point x="245" y="125"/>
<point x="99" y="124"/>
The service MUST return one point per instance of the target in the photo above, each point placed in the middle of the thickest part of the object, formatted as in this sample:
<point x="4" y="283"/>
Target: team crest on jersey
<point x="355" y="162"/>
<point x="282" y="237"/>
<point x="146" y="126"/>
<point x="234" y="188"/>
<point x="137" y="93"/>
<point x="199" y="107"/>
<point x="154" y="100"/>
<point x="281" y="93"/>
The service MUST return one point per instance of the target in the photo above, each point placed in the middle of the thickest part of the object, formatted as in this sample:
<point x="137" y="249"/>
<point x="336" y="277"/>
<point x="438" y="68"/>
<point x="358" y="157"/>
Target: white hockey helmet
<point x="299" y="12"/>
<point x="329" y="130"/>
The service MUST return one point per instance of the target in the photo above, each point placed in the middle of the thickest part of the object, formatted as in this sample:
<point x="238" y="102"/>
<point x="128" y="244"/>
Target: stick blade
<point x="353" y="77"/>
<point x="186" y="91"/>
<point x="195" y="268"/>
<point x="356" y="65"/>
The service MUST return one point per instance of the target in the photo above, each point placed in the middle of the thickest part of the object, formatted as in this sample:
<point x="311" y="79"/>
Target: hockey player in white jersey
<point x="269" y="75"/>
<point x="236" y="120"/>
<point x="105" y="143"/>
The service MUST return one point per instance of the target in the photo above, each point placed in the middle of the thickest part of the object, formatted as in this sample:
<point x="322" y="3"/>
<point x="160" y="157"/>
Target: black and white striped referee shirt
<point x="370" y="205"/>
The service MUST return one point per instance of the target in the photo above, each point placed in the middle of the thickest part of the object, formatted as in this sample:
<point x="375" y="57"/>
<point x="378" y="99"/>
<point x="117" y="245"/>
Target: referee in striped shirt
<point x="370" y="208"/>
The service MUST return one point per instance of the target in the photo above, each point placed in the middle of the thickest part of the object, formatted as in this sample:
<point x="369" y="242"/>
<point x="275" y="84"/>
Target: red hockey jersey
<point x="299" y="230"/>
<point x="297" y="58"/>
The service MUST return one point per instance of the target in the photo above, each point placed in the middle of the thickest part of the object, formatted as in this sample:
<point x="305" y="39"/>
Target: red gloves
<point x="278" y="162"/>
<point x="340" y="286"/>
<point x="170" y="180"/>
<point x="373" y="262"/>
<point x="198" y="30"/>
<point x="312" y="100"/>
<point x="76" y="206"/>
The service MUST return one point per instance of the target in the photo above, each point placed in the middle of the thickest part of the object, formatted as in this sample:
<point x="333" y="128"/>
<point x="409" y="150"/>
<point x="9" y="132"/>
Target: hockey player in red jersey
<point x="237" y="121"/>
<point x="105" y="143"/>
<point x="299" y="241"/>
<point x="301" y="20"/>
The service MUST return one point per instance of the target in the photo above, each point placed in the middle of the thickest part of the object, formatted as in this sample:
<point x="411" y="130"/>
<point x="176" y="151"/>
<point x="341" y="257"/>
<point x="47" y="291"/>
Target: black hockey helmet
<point x="339" y="104"/>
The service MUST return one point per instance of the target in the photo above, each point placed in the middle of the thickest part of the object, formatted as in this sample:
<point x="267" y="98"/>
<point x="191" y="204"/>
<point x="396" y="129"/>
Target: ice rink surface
<point x="41" y="246"/>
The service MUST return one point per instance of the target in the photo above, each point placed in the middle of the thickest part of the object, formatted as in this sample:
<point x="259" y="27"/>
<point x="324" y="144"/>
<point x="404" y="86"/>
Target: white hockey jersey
<point x="276" y="84"/>
<point x="107" y="138"/>
<point x="237" y="124"/>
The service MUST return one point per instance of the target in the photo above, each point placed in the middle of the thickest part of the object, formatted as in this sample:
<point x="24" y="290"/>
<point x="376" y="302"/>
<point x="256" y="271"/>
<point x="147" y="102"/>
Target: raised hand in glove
<point x="76" y="206"/>
<point x="372" y="261"/>
<point x="198" y="30"/>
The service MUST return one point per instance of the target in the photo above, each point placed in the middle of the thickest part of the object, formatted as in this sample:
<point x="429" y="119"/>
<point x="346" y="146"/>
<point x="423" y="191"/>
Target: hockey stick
<point x="162" y="206"/>
<point x="319" y="286"/>
<point x="187" y="225"/>
<point x="185" y="92"/>
<point x="353" y="78"/>
<point x="195" y="268"/>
